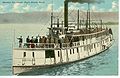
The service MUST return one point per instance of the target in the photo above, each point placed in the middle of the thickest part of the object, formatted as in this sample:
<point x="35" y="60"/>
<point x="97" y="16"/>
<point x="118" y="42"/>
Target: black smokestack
<point x="86" y="1"/>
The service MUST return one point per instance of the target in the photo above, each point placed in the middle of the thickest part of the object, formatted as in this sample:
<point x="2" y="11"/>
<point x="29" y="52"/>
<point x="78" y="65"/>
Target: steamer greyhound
<point x="67" y="42"/>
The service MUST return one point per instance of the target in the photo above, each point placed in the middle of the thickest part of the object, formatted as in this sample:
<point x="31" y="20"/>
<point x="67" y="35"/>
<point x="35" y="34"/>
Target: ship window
<point x="24" y="54"/>
<point x="84" y="48"/>
<point x="97" y="44"/>
<point x="70" y="51"/>
<point x="87" y="47"/>
<point x="91" y="46"/>
<point x="49" y="54"/>
<point x="77" y="50"/>
<point x="73" y="51"/>
<point x="90" y="50"/>
<point x="94" y="45"/>
<point x="33" y="54"/>
<point x="58" y="54"/>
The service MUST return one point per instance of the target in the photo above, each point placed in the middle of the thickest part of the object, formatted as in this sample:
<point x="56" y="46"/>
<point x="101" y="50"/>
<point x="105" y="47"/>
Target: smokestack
<point x="66" y="9"/>
<point x="66" y="14"/>
<point x="86" y="1"/>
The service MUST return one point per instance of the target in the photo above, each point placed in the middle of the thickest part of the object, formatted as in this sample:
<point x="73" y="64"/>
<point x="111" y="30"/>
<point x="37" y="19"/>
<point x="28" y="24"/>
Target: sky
<point x="22" y="6"/>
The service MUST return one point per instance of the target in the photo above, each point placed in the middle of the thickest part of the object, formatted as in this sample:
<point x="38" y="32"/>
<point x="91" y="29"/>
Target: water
<point x="104" y="64"/>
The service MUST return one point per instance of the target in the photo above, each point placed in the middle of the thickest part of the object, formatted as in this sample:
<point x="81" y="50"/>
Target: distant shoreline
<point x="104" y="23"/>
<point x="44" y="17"/>
<point x="111" y="23"/>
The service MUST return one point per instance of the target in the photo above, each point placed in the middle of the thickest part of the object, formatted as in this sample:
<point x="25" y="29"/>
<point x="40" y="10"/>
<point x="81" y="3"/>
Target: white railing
<point x="38" y="45"/>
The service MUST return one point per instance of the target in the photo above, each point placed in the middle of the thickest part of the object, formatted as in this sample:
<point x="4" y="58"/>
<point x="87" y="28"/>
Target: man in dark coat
<point x="27" y="42"/>
<point x="20" y="41"/>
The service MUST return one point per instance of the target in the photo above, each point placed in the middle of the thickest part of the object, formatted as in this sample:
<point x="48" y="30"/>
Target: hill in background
<point x="44" y="17"/>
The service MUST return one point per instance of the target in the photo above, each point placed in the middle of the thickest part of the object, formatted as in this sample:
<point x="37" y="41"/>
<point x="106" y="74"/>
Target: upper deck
<point x="70" y="40"/>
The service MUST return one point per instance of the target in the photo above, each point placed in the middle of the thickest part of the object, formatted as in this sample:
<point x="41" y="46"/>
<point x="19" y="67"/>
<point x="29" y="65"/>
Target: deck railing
<point x="48" y="45"/>
<point x="59" y="45"/>
<point x="38" y="45"/>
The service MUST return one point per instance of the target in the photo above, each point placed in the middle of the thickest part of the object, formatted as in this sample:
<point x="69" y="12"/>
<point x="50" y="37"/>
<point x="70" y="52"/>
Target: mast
<point x="57" y="22"/>
<point x="78" y="21"/>
<point x="101" y="24"/>
<point x="51" y="19"/>
<point x="87" y="22"/>
<point x="52" y="15"/>
<point x="66" y="15"/>
<point x="88" y="19"/>
<point x="89" y="15"/>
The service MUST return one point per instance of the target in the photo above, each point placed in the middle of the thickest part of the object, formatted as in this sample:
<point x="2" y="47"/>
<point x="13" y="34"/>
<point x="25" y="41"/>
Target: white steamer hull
<point x="50" y="62"/>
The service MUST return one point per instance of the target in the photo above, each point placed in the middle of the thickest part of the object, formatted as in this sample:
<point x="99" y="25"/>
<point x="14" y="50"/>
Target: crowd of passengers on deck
<point x="42" y="41"/>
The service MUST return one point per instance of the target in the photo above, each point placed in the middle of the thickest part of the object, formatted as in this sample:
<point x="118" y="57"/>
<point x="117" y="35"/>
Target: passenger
<point x="27" y="42"/>
<point x="45" y="39"/>
<point x="36" y="41"/>
<point x="32" y="42"/>
<point x="20" y="41"/>
<point x="40" y="39"/>
<point x="49" y="39"/>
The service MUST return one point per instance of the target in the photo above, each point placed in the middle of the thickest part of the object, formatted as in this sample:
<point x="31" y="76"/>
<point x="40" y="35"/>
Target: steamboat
<point x="66" y="43"/>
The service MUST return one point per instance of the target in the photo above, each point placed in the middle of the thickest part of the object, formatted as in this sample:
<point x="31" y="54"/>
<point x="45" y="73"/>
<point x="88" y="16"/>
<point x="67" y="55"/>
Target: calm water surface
<point x="104" y="64"/>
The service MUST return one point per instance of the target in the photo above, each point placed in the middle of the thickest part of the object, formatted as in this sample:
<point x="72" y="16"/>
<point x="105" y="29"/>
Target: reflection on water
<point x="105" y="63"/>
